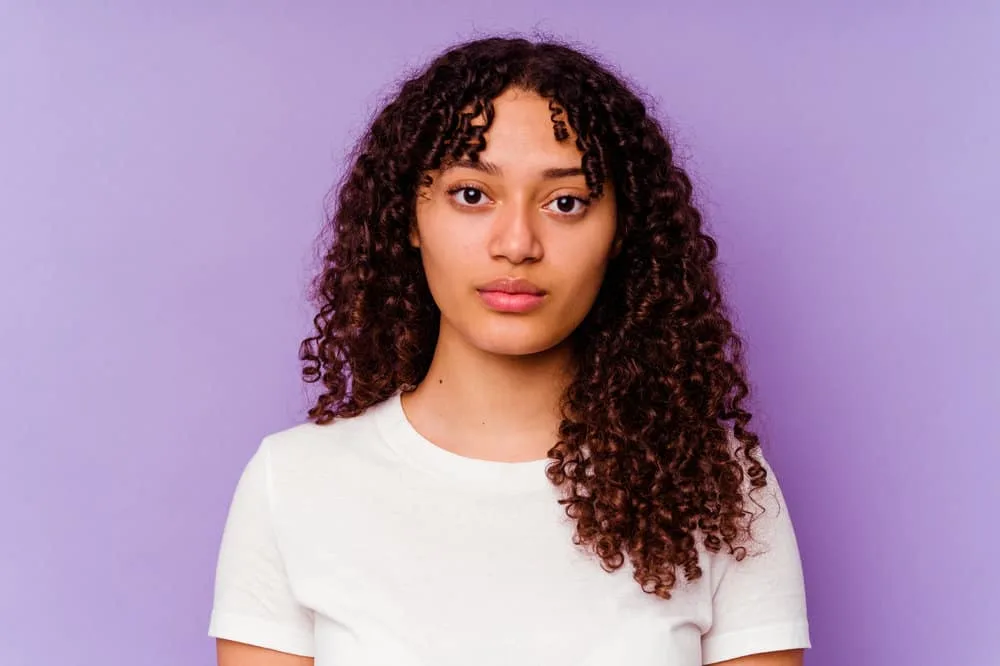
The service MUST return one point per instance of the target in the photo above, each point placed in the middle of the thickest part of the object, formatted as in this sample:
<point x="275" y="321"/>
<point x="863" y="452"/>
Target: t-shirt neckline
<point x="399" y="434"/>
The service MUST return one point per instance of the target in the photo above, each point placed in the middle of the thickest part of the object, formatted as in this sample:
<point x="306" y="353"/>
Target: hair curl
<point x="654" y="451"/>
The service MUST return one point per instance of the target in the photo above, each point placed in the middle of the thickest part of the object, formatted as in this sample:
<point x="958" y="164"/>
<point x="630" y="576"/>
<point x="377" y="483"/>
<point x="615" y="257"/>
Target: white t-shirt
<point x="363" y="544"/>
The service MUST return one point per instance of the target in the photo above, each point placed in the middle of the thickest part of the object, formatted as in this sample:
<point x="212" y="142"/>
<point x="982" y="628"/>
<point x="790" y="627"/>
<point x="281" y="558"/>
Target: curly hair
<point x="654" y="453"/>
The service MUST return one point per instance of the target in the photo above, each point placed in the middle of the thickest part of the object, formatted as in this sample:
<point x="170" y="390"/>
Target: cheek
<point x="448" y="260"/>
<point x="585" y="260"/>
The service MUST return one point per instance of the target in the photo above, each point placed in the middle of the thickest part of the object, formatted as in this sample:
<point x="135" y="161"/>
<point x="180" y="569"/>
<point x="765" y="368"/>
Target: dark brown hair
<point x="654" y="451"/>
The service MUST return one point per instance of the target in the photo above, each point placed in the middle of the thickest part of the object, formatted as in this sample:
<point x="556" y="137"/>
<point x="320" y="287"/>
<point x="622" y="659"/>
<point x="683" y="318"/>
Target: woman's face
<point x="513" y="251"/>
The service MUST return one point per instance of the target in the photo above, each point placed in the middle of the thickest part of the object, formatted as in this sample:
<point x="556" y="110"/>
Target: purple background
<point x="163" y="168"/>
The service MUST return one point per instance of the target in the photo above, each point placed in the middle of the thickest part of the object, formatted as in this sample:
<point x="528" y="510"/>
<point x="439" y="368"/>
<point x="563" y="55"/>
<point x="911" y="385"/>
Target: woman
<point x="531" y="446"/>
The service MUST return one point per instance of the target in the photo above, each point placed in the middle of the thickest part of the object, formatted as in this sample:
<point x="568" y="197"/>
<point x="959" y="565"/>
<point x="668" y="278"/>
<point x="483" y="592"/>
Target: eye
<point x="466" y="195"/>
<point x="568" y="205"/>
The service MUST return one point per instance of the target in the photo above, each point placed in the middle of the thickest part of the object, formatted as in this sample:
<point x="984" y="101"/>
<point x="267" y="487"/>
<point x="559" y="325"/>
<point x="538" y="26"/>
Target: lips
<point x="511" y="295"/>
<point x="512" y="286"/>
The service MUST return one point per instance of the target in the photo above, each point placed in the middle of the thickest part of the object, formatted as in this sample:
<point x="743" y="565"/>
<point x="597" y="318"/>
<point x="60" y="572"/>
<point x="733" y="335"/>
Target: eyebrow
<point x="494" y="170"/>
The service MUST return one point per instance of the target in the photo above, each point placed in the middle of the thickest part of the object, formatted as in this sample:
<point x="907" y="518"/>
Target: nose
<point x="514" y="235"/>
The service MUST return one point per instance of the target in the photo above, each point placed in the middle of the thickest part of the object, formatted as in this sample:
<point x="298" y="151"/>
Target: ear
<point x="414" y="235"/>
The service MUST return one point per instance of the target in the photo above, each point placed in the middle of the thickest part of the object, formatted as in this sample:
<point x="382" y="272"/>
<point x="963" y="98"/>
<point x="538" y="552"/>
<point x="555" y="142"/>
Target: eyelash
<point x="461" y="187"/>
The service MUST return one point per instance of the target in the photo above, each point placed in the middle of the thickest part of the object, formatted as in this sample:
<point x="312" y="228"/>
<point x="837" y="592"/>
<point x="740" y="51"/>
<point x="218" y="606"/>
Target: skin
<point x="496" y="378"/>
<point x="231" y="653"/>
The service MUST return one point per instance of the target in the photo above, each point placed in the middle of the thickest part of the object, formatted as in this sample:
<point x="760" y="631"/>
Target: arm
<point x="231" y="653"/>
<point x="782" y="658"/>
<point x="255" y="615"/>
<point x="758" y="603"/>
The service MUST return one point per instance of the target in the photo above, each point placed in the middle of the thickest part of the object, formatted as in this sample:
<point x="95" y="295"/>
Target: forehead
<point x="523" y="132"/>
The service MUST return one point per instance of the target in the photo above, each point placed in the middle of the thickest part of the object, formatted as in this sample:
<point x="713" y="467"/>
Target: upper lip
<point x="509" y="285"/>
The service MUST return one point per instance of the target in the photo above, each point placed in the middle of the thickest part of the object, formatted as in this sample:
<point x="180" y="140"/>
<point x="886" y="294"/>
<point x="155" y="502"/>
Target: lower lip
<point x="502" y="301"/>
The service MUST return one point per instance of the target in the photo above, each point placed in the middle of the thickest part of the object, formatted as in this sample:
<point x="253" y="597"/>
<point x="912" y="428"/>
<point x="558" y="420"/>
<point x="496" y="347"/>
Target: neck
<point x="490" y="406"/>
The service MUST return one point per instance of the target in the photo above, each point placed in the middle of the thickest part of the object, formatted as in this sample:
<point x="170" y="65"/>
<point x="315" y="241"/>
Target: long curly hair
<point x="654" y="454"/>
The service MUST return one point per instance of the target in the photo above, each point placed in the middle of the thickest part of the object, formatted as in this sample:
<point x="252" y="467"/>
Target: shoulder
<point x="766" y="531"/>
<point x="768" y="547"/>
<point x="309" y="442"/>
<point x="767" y="500"/>
<point x="306" y="454"/>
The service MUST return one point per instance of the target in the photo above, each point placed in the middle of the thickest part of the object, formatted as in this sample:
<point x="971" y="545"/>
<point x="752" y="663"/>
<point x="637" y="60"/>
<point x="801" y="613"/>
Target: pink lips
<point x="511" y="295"/>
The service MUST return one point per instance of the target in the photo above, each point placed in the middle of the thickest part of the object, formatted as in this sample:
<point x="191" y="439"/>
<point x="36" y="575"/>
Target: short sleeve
<point x="759" y="602"/>
<point x="253" y="602"/>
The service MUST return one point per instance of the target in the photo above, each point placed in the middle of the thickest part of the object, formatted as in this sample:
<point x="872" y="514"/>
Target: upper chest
<point x="396" y="564"/>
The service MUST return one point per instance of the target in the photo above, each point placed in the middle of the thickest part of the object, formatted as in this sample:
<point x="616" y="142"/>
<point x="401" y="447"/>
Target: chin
<point x="517" y="340"/>
<point x="515" y="348"/>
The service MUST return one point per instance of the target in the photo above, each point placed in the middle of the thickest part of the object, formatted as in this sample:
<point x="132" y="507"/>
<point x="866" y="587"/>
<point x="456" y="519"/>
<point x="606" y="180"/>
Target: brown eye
<point x="467" y="196"/>
<point x="471" y="196"/>
<point x="568" y="205"/>
<point x="565" y="204"/>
